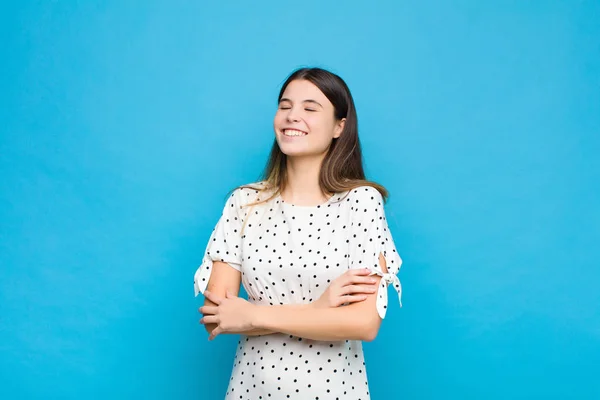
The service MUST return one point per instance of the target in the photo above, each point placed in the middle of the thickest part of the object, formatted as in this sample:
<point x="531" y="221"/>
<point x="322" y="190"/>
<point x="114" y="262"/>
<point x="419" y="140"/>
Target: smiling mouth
<point x="293" y="133"/>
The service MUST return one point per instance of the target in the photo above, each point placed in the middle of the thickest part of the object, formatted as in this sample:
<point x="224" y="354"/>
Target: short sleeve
<point x="370" y="236"/>
<point x="225" y="243"/>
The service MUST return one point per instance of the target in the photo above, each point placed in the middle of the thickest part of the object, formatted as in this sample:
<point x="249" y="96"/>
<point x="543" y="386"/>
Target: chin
<point x="292" y="152"/>
<point x="298" y="150"/>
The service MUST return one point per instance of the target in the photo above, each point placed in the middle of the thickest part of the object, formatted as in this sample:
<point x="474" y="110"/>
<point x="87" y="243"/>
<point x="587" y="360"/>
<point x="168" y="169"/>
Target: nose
<point x="291" y="115"/>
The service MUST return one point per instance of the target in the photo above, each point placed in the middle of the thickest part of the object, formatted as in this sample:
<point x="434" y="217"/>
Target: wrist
<point x="256" y="321"/>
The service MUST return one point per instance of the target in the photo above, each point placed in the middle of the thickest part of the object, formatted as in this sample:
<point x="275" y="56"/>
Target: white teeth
<point x="293" y="132"/>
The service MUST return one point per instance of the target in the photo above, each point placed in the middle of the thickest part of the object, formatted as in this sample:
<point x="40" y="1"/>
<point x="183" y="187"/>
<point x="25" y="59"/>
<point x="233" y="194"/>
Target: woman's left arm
<point x="357" y="321"/>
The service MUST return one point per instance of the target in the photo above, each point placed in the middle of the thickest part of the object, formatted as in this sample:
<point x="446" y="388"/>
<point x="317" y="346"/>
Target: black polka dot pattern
<point x="288" y="254"/>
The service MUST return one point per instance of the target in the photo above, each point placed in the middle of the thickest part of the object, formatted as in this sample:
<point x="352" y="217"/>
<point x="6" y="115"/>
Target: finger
<point x="215" y="332"/>
<point x="230" y="295"/>
<point x="369" y="280"/>
<point x="358" y="271"/>
<point x="356" y="276"/>
<point x="208" y="310"/>
<point x="349" y="274"/>
<point x="212" y="297"/>
<point x="358" y="280"/>
<point x="352" y="289"/>
<point x="209" y="319"/>
<point x="355" y="298"/>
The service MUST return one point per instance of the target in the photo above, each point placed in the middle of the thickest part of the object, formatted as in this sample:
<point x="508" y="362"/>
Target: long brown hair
<point x="342" y="168"/>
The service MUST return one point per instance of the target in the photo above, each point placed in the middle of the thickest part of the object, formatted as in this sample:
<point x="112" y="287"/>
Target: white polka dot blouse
<point x="289" y="254"/>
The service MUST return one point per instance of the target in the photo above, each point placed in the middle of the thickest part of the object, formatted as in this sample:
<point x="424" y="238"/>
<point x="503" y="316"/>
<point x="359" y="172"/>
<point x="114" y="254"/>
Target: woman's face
<point x="305" y="123"/>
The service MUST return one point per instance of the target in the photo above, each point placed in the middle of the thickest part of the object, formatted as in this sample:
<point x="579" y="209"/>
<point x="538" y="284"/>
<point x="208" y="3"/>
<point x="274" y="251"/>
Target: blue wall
<point x="124" y="125"/>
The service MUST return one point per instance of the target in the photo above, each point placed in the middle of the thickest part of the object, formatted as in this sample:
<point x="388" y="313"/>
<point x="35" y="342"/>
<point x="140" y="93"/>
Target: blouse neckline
<point x="299" y="207"/>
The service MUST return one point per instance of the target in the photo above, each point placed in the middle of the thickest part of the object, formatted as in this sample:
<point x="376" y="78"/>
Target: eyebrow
<point x="305" y="101"/>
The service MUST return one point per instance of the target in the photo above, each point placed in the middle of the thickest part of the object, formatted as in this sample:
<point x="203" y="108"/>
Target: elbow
<point x="369" y="331"/>
<point x="369" y="335"/>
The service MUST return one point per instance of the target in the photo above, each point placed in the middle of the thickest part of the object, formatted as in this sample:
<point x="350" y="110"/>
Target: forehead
<point x="300" y="90"/>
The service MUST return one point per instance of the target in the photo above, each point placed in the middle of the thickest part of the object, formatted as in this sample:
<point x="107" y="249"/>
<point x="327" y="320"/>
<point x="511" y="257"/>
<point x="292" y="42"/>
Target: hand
<point x="231" y="314"/>
<point x="352" y="286"/>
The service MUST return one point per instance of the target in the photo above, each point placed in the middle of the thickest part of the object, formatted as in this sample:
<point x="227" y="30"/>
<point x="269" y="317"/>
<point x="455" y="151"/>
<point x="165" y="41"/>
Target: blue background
<point x="124" y="124"/>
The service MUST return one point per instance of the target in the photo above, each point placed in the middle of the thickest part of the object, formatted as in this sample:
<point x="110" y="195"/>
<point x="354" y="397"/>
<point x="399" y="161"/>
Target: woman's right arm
<point x="350" y="287"/>
<point x="225" y="278"/>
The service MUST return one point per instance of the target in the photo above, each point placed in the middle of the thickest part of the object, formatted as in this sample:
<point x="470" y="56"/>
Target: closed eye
<point x="310" y="109"/>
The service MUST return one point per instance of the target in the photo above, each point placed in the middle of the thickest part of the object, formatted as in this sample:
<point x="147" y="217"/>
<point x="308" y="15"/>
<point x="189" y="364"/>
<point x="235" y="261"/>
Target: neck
<point x="302" y="186"/>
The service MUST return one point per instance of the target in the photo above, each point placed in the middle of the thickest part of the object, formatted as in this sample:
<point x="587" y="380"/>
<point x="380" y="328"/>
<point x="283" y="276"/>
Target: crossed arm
<point x="356" y="321"/>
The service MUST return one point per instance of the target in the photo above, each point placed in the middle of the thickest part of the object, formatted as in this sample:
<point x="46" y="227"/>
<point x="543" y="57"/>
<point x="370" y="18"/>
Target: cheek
<point x="320" y="127"/>
<point x="277" y="119"/>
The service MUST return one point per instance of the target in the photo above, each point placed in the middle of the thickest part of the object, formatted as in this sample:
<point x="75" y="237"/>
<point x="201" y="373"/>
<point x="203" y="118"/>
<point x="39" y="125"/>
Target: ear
<point x="339" y="128"/>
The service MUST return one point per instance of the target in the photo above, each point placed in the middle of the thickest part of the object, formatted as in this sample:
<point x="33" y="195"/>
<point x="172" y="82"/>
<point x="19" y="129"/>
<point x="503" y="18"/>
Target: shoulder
<point x="365" y="203"/>
<point x="366" y="195"/>
<point x="247" y="193"/>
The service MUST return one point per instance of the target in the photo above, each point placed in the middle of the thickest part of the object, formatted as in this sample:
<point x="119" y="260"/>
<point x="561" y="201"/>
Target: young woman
<point x="311" y="245"/>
